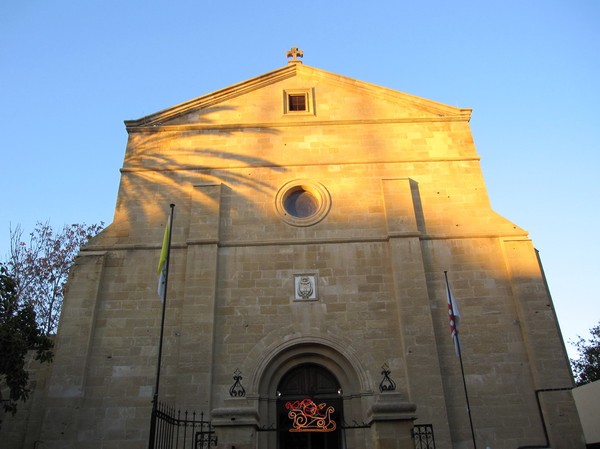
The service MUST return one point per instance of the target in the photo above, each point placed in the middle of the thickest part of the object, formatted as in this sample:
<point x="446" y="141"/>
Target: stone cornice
<point x="522" y="235"/>
<point x="180" y="167"/>
<point x="157" y="127"/>
<point x="156" y="121"/>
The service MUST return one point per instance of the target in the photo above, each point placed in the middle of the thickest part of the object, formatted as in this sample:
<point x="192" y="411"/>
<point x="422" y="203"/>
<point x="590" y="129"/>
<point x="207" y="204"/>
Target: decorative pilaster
<point x="404" y="220"/>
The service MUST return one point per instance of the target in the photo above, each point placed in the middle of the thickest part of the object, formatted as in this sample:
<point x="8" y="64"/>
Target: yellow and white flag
<point x="162" y="263"/>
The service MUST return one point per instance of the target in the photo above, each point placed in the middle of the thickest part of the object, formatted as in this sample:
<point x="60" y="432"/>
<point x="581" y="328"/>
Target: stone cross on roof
<point x="295" y="53"/>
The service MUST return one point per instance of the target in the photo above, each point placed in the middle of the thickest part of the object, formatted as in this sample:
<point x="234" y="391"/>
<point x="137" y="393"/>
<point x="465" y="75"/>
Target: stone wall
<point x="401" y="200"/>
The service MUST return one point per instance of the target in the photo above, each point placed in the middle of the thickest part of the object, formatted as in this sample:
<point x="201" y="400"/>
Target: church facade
<point x="320" y="223"/>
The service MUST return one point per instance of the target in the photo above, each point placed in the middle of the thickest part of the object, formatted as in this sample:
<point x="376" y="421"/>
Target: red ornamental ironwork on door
<point x="307" y="416"/>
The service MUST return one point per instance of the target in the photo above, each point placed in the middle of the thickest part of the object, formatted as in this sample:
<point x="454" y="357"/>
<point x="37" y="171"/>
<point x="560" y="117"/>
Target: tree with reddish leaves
<point x="40" y="267"/>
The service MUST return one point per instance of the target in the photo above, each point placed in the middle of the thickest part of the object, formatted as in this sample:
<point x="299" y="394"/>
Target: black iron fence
<point x="182" y="430"/>
<point x="423" y="436"/>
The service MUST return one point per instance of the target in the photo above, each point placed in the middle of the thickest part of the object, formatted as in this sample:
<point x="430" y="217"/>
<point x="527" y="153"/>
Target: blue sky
<point x="71" y="72"/>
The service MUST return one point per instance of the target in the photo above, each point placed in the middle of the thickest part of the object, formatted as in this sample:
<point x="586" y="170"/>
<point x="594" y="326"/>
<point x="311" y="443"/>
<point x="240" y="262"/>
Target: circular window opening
<point x="302" y="202"/>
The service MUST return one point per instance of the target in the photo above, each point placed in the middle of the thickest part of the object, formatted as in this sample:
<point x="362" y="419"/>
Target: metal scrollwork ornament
<point x="237" y="390"/>
<point x="387" y="384"/>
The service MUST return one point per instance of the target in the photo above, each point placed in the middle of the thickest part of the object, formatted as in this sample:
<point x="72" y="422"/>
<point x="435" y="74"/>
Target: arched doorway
<point x="309" y="409"/>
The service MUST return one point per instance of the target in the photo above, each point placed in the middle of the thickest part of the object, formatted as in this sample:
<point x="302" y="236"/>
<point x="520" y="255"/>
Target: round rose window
<point x="302" y="202"/>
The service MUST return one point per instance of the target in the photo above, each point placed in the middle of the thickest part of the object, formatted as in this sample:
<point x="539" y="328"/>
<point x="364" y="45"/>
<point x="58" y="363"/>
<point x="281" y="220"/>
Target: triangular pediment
<point x="262" y="100"/>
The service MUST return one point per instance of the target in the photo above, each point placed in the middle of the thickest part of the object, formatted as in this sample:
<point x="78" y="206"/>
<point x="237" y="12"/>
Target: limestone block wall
<point x="405" y="201"/>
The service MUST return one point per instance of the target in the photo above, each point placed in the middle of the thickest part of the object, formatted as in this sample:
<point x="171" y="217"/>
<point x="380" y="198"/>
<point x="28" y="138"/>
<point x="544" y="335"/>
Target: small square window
<point x="297" y="102"/>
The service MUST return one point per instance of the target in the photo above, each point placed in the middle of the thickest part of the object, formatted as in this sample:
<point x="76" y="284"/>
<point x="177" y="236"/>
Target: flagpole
<point x="162" y="330"/>
<point x="462" y="369"/>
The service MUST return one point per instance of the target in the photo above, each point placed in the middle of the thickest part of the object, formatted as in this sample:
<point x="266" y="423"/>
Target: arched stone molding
<point x="290" y="354"/>
<point x="285" y="348"/>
